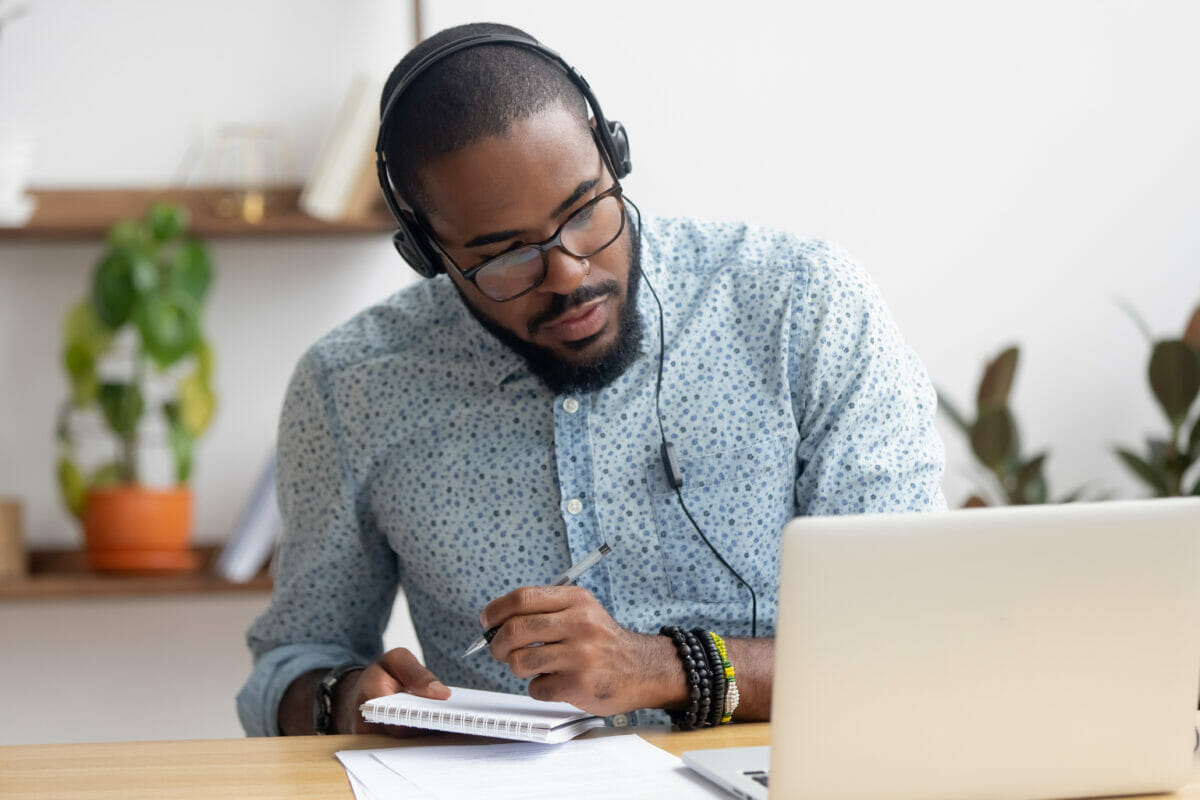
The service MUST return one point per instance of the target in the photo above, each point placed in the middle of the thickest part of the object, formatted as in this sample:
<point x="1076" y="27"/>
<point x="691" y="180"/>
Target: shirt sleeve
<point x="864" y="402"/>
<point x="335" y="573"/>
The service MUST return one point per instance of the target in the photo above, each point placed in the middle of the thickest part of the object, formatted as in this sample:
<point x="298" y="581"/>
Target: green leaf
<point x="1175" y="378"/>
<point x="1147" y="473"/>
<point x="128" y="234"/>
<point x="181" y="442"/>
<point x="1073" y="496"/>
<point x="992" y="437"/>
<point x="113" y="292"/>
<point x="1196" y="487"/>
<point x="205" y="359"/>
<point x="197" y="403"/>
<point x="122" y="405"/>
<point x="190" y="270"/>
<point x="166" y="220"/>
<point x="1031" y="484"/>
<point x="1036" y="492"/>
<point x="170" y="326"/>
<point x="1193" y="444"/>
<point x="71" y="486"/>
<point x="84" y="328"/>
<point x="953" y="413"/>
<point x="1159" y="451"/>
<point x="81" y="368"/>
<point x="997" y="380"/>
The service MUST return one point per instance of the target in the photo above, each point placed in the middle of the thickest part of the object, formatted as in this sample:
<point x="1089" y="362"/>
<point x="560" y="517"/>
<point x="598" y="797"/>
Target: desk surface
<point x="295" y="768"/>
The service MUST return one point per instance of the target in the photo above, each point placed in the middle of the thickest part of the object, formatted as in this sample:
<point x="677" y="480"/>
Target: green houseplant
<point x="1171" y="464"/>
<point x="140" y="369"/>
<point x="1014" y="479"/>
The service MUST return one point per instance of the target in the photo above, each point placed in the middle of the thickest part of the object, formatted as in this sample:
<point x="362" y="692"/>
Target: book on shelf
<point x="341" y="184"/>
<point x="254" y="536"/>
<point x="483" y="713"/>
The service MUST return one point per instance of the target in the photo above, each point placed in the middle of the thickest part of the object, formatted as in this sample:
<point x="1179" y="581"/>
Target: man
<point x="474" y="435"/>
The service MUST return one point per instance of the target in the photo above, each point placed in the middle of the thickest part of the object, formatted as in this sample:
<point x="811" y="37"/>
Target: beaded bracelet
<point x="716" y="670"/>
<point x="732" y="697"/>
<point x="697" y="673"/>
<point x="703" y="713"/>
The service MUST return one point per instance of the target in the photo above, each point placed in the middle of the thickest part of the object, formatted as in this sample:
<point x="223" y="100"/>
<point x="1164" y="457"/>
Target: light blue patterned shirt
<point x="416" y="450"/>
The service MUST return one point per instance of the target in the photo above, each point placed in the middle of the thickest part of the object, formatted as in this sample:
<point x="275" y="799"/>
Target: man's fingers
<point x="411" y="675"/>
<point x="532" y="600"/>
<point x="527" y="662"/>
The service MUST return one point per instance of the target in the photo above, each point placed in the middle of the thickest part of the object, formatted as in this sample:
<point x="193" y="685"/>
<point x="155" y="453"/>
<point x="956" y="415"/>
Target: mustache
<point x="562" y="303"/>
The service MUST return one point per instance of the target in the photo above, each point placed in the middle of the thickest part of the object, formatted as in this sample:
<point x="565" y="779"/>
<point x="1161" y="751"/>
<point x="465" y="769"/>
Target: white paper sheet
<point x="371" y="780"/>
<point x="582" y="769"/>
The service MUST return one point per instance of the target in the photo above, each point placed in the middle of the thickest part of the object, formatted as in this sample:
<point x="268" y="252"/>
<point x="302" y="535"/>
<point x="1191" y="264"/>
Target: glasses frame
<point x="544" y="246"/>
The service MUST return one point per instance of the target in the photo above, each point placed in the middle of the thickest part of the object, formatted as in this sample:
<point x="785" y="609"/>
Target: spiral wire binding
<point x="459" y="722"/>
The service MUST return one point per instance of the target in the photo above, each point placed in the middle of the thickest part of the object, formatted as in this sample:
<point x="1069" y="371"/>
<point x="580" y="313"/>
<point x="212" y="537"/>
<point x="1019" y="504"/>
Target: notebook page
<point x="622" y="765"/>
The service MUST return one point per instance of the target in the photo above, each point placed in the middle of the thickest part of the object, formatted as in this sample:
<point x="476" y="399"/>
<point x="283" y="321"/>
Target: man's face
<point x="501" y="192"/>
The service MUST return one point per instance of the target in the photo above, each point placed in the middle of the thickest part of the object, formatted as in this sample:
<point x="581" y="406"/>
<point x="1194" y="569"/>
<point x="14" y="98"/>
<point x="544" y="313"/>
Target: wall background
<point x="1005" y="172"/>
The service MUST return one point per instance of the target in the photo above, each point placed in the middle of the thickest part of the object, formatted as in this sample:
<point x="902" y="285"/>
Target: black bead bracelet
<point x="698" y="683"/>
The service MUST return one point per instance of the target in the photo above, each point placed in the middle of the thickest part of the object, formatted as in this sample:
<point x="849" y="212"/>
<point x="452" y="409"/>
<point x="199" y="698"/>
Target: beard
<point x="598" y="371"/>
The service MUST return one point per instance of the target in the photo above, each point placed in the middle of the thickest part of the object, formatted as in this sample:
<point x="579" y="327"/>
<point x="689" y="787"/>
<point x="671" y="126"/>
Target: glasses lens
<point x="594" y="227"/>
<point x="508" y="275"/>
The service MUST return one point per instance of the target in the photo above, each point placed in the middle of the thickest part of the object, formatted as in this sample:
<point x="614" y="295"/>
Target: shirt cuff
<point x="258" y="701"/>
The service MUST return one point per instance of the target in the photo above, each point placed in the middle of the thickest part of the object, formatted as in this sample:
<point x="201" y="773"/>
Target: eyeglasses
<point x="582" y="235"/>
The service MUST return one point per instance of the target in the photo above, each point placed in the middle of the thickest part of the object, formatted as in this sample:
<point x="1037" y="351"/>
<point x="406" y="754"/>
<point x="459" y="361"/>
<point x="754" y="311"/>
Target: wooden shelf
<point x="88" y="213"/>
<point x="66" y="573"/>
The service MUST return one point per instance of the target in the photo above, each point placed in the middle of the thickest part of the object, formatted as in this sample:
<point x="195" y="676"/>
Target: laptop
<point x="1021" y="652"/>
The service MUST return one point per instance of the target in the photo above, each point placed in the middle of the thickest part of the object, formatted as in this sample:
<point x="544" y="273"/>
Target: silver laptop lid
<point x="1049" y="651"/>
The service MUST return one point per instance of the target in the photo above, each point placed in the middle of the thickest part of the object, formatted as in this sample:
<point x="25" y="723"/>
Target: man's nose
<point x="564" y="272"/>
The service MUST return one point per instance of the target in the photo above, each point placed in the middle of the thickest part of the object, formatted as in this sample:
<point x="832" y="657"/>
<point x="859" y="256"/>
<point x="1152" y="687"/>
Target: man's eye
<point x="584" y="214"/>
<point x="483" y="259"/>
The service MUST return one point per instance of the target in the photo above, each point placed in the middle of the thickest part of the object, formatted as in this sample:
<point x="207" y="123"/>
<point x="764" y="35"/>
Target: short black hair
<point x="467" y="96"/>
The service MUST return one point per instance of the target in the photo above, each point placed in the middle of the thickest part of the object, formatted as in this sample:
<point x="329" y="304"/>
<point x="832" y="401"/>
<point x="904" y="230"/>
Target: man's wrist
<point x="328" y="699"/>
<point x="668" y="687"/>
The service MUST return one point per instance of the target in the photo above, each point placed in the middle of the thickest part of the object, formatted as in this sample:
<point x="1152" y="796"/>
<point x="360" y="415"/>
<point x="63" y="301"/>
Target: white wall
<point x="1005" y="171"/>
<point x="169" y="669"/>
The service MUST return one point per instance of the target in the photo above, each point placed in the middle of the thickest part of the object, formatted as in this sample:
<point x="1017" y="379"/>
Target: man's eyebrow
<point x="500" y="236"/>
<point x="580" y="190"/>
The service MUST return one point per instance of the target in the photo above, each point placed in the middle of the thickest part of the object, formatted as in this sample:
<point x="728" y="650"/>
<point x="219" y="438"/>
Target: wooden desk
<point x="292" y="768"/>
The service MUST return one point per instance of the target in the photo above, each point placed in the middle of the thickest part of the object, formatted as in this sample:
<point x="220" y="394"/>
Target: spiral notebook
<point x="483" y="713"/>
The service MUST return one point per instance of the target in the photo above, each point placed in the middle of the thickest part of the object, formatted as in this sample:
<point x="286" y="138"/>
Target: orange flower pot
<point x="137" y="528"/>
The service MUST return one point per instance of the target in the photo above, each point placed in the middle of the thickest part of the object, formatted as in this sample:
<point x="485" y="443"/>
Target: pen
<point x="570" y="576"/>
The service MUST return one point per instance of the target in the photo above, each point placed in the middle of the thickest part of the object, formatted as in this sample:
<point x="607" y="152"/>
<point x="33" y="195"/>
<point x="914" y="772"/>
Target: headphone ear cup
<point x="620" y="148"/>
<point x="410" y="243"/>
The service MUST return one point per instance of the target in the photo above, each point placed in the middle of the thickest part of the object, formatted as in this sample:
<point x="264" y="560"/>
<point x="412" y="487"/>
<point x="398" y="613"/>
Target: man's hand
<point x="396" y="671"/>
<point x="575" y="652"/>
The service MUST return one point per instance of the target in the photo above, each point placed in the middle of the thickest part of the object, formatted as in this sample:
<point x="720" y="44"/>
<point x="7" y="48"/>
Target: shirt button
<point x="574" y="505"/>
<point x="570" y="405"/>
<point x="620" y="720"/>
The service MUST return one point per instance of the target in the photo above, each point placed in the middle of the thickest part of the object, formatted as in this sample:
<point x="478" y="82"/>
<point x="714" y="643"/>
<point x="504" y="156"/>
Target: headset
<point x="413" y="242"/>
<point x="411" y="239"/>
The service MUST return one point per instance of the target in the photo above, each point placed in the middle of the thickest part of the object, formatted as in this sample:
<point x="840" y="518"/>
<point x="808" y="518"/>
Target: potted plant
<point x="1171" y="465"/>
<point x="1013" y="479"/>
<point x="140" y="372"/>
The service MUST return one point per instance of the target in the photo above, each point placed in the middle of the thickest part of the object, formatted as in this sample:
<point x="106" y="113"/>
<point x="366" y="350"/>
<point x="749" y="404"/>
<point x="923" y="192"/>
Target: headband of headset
<point x="411" y="239"/>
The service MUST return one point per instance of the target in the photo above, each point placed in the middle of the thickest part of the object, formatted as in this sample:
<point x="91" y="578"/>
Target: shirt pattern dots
<point x="416" y="450"/>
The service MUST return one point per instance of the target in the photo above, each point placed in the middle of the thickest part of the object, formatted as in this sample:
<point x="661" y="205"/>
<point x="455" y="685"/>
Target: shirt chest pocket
<point x="740" y="500"/>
